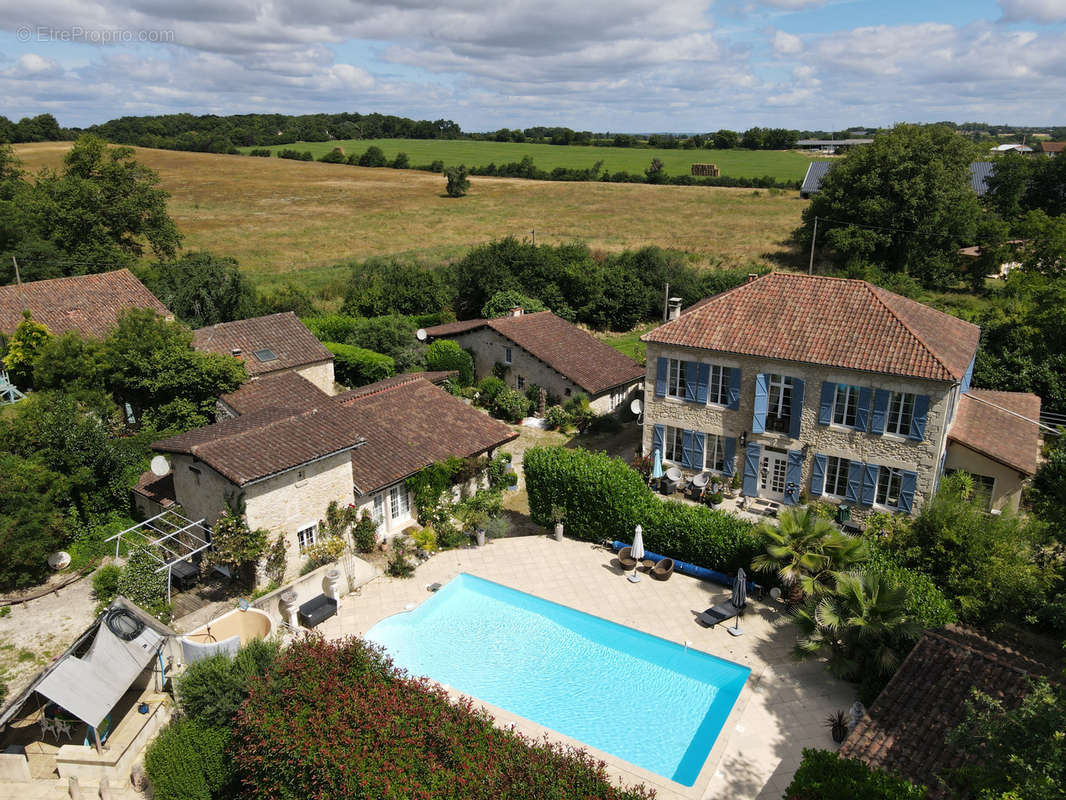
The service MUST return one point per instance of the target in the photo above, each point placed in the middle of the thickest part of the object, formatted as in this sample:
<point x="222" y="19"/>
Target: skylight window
<point x="266" y="354"/>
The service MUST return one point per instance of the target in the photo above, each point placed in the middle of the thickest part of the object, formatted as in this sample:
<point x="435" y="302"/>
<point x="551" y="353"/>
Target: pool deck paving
<point x="780" y="711"/>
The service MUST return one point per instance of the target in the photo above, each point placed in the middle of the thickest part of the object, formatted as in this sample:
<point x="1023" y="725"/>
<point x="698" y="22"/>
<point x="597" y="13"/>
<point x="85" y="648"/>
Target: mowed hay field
<point x="780" y="164"/>
<point x="279" y="217"/>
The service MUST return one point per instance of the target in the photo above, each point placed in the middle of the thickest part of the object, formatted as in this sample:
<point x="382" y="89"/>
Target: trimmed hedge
<point x="823" y="775"/>
<point x="605" y="499"/>
<point x="337" y="720"/>
<point x="188" y="761"/>
<point x="357" y="366"/>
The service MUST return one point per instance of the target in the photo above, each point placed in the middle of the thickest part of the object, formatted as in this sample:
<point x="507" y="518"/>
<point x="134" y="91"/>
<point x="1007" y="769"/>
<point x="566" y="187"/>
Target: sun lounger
<point x="719" y="613"/>
<point x="625" y="559"/>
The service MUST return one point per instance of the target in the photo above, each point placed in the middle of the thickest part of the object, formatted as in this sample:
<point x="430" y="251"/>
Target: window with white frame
<point x="779" y="409"/>
<point x="305" y="537"/>
<point x="714" y="453"/>
<point x="672" y="438"/>
<point x="983" y="488"/>
<point x="889" y="484"/>
<point x="718" y="385"/>
<point x="900" y="412"/>
<point x="398" y="504"/>
<point x="521" y="382"/>
<point x="845" y="404"/>
<point x="507" y="355"/>
<point x="675" y="381"/>
<point x="617" y="398"/>
<point x="836" y="476"/>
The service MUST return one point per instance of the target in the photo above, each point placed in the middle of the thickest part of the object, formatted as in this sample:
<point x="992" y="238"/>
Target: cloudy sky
<point x="604" y="65"/>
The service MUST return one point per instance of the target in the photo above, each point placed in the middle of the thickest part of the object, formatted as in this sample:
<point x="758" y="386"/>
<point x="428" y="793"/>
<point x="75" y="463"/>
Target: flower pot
<point x="558" y="531"/>
<point x="480" y="537"/>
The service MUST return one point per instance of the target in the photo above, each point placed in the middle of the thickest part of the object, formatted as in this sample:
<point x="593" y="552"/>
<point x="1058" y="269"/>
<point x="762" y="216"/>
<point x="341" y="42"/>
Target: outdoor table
<point x="184" y="574"/>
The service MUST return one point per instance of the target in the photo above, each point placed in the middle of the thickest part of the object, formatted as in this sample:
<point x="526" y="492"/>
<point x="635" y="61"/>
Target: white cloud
<point x="1045" y="11"/>
<point x="787" y="43"/>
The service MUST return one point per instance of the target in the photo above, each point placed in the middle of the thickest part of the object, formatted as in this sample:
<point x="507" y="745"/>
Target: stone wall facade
<point x="321" y="375"/>
<point x="1007" y="490"/>
<point x="490" y="348"/>
<point x="832" y="440"/>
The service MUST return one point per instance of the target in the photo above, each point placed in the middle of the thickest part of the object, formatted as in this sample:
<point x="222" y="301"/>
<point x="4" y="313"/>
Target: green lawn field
<point x="780" y="164"/>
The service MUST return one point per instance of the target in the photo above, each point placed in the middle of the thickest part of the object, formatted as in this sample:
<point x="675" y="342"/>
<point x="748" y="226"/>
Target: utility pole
<point x="666" y="302"/>
<point x="18" y="283"/>
<point x="18" y="280"/>
<point x="534" y="237"/>
<point x="814" y="236"/>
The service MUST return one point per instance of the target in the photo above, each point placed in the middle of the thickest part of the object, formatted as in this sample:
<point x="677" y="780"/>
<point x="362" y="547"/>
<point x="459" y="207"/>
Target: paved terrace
<point x="780" y="711"/>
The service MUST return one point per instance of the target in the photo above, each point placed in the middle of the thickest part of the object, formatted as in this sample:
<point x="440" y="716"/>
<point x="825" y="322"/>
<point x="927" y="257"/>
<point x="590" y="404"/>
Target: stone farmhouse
<point x="287" y="449"/>
<point x="270" y="345"/>
<point x="833" y="389"/>
<point x="85" y="304"/>
<point x="548" y="351"/>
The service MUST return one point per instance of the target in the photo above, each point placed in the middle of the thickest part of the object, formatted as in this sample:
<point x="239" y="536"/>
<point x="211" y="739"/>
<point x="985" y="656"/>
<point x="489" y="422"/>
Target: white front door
<point x="772" y="471"/>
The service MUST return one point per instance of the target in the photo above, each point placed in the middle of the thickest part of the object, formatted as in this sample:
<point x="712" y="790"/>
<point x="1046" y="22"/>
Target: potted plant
<point x="714" y="498"/>
<point x="558" y="514"/>
<point x="837" y="722"/>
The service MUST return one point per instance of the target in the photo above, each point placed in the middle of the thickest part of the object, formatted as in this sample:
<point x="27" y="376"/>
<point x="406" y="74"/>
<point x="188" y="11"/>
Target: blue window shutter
<point x="869" y="484"/>
<point x="825" y="407"/>
<point x="795" y="419"/>
<point x="854" y="482"/>
<point x="692" y="377"/>
<point x="751" y="469"/>
<point x="762" y="402"/>
<point x="661" y="366"/>
<point x="906" y="491"/>
<point x="730" y="456"/>
<point x="702" y="379"/>
<point x="968" y="376"/>
<point x="877" y="421"/>
<point x="658" y="433"/>
<point x="793" y="477"/>
<point x="921" y="412"/>
<point x="734" y="388"/>
<point x="686" y="449"/>
<point x="862" y="413"/>
<point x="818" y="474"/>
<point x="699" y="442"/>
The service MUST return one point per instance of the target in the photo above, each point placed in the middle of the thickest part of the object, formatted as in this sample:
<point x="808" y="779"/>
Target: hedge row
<point x="337" y="720"/>
<point x="823" y="775"/>
<point x="604" y="499"/>
<point x="357" y="366"/>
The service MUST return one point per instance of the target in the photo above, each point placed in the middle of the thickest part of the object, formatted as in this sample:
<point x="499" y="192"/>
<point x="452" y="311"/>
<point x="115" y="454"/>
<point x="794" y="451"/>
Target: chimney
<point x="236" y="352"/>
<point x="674" y="309"/>
<point x="516" y="311"/>
<point x="752" y="276"/>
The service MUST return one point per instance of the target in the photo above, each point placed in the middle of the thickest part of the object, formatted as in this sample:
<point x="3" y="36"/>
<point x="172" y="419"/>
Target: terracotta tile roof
<point x="437" y="378"/>
<point x="906" y="728"/>
<point x="283" y="334"/>
<point x="570" y="351"/>
<point x="157" y="489"/>
<point x="88" y="304"/>
<point x="984" y="423"/>
<point x="412" y="424"/>
<point x="280" y="390"/>
<point x="829" y="321"/>
<point x="269" y="441"/>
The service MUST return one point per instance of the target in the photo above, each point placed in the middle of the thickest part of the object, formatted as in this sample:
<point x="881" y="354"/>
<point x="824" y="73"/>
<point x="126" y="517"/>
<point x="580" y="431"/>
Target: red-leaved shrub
<point x="337" y="720"/>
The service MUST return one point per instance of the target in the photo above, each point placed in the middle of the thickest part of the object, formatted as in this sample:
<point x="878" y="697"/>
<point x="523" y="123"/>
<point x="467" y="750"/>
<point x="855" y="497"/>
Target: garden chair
<point x="625" y="560"/>
<point x="719" y="613"/>
<point x="663" y="569"/>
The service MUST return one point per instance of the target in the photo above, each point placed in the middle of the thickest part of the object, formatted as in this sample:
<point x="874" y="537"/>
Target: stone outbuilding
<point x="545" y="350"/>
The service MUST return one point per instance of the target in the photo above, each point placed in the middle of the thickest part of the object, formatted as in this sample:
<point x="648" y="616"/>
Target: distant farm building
<point x="830" y="145"/>
<point x="706" y="170"/>
<point x="980" y="171"/>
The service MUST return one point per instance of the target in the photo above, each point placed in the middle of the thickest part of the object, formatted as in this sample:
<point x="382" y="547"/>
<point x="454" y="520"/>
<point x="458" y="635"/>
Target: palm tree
<point x="807" y="553"/>
<point x="860" y="625"/>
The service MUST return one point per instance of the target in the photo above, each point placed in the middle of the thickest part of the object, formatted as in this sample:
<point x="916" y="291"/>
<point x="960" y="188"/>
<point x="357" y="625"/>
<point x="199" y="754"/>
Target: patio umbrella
<point x="637" y="552"/>
<point x="656" y="465"/>
<point x="739" y="598"/>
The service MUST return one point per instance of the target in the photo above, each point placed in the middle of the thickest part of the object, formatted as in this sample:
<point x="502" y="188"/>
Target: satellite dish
<point x="775" y="593"/>
<point x="160" y="466"/>
<point x="421" y="334"/>
<point x="636" y="406"/>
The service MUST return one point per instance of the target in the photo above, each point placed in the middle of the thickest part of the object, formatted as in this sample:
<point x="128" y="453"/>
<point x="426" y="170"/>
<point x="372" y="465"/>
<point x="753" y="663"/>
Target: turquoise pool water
<point x="643" y="699"/>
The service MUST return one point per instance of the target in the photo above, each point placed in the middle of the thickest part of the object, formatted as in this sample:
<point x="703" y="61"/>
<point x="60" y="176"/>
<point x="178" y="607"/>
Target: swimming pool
<point x="643" y="699"/>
